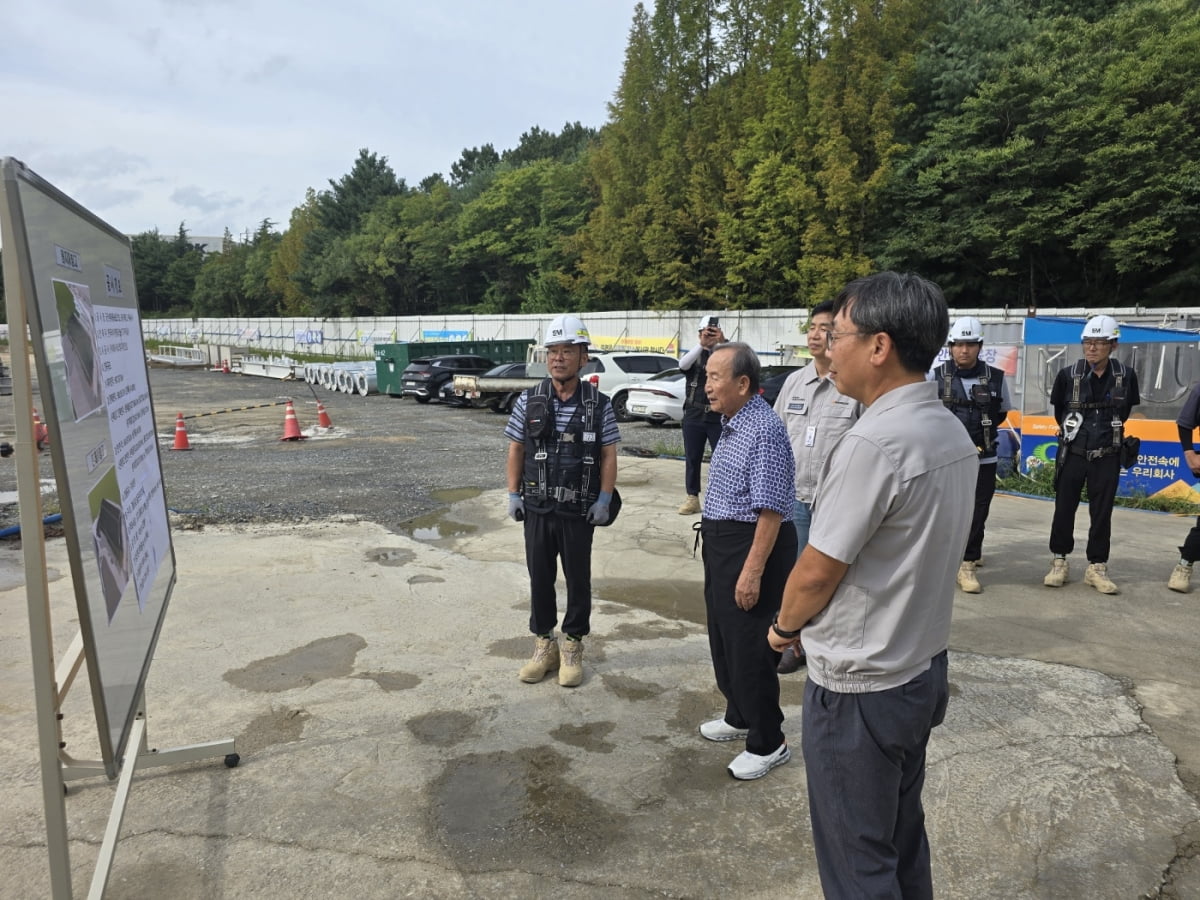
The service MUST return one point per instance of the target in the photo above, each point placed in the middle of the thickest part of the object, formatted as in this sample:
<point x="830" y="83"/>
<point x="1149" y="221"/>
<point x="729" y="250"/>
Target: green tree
<point x="1070" y="178"/>
<point x="218" y="291"/>
<point x="341" y="208"/>
<point x="474" y="162"/>
<point x="179" y="281"/>
<point x="261" y="298"/>
<point x="151" y="257"/>
<point x="284" y="275"/>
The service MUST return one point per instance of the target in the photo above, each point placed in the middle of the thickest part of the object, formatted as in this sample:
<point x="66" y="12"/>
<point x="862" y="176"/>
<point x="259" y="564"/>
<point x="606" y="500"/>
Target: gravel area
<point x="387" y="459"/>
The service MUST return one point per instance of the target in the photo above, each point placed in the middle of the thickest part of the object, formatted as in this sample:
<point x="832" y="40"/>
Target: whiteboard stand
<point x="51" y="683"/>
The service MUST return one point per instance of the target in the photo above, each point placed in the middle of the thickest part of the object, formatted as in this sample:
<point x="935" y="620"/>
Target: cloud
<point x="270" y="67"/>
<point x="197" y="198"/>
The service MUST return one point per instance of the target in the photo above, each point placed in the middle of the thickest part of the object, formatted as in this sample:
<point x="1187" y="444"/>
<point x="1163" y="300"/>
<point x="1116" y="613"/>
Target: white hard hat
<point x="967" y="330"/>
<point x="1101" y="327"/>
<point x="566" y="329"/>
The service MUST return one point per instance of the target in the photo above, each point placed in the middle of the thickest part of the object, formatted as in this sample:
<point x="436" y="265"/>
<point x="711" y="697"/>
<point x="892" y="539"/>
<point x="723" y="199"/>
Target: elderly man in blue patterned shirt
<point x="749" y="549"/>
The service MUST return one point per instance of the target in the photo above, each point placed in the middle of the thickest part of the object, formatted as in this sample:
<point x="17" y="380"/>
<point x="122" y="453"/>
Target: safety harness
<point x="698" y="374"/>
<point x="984" y="397"/>
<point x="1115" y="401"/>
<point x="541" y="403"/>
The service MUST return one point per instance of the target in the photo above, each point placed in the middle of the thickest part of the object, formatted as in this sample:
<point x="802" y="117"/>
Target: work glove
<point x="516" y="507"/>
<point x="598" y="512"/>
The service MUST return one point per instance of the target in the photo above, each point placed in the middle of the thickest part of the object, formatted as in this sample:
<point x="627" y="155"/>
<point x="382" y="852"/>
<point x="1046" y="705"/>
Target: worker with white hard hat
<point x="1092" y="399"/>
<point x="701" y="425"/>
<point x="562" y="475"/>
<point x="978" y="396"/>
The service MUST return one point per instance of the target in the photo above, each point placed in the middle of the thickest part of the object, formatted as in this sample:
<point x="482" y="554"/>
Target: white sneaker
<point x="747" y="766"/>
<point x="720" y="730"/>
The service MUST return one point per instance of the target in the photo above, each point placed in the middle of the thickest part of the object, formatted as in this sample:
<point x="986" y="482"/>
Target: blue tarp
<point x="1068" y="331"/>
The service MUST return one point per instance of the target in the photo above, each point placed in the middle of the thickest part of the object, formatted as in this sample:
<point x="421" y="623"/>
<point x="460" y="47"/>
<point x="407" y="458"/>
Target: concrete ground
<point x="388" y="749"/>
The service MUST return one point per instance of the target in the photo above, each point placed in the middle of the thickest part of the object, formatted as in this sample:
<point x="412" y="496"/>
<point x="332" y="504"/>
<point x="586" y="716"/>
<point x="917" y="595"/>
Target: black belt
<point x="1093" y="454"/>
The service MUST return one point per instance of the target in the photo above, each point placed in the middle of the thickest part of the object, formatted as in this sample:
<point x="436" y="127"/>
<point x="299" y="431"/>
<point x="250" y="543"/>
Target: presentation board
<point x="77" y="288"/>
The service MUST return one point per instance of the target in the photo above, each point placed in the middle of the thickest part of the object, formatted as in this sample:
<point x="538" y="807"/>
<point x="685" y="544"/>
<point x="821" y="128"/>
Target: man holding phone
<point x="700" y="423"/>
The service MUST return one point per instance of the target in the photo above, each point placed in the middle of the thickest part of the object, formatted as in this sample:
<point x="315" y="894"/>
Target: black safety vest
<point x="981" y="417"/>
<point x="695" y="400"/>
<point x="562" y="469"/>
<point x="1113" y="401"/>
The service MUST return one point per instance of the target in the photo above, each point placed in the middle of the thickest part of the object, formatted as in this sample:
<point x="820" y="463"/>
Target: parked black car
<point x="422" y="379"/>
<point x="772" y="381"/>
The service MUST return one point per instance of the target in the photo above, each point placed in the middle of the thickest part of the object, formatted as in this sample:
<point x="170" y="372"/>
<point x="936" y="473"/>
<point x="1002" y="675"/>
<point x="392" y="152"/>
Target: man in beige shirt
<point x="816" y="415"/>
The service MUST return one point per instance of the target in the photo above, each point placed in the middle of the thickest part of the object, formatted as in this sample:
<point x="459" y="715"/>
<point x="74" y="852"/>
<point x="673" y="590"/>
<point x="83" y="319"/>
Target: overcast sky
<point x="220" y="113"/>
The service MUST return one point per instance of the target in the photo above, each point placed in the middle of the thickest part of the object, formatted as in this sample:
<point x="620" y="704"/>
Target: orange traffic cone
<point x="291" y="428"/>
<point x="323" y="417"/>
<point x="41" y="434"/>
<point x="181" y="438"/>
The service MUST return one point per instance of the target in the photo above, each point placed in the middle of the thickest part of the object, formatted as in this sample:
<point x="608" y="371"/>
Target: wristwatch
<point x="786" y="635"/>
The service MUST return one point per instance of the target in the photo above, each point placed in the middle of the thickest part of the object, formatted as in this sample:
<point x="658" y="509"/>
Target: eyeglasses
<point x="832" y="335"/>
<point x="1096" y="342"/>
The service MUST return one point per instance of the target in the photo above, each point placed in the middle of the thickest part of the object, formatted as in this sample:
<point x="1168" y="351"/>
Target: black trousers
<point x="549" y="536"/>
<point x="696" y="432"/>
<point x="985" y="490"/>
<point x="743" y="661"/>
<point x="1100" y="476"/>
<point x="1191" y="544"/>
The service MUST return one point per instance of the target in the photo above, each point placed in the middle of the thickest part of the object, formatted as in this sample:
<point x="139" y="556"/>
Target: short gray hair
<point x="745" y="362"/>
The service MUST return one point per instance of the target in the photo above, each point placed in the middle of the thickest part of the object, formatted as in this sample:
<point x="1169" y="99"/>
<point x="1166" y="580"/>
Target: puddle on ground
<point x="670" y="599"/>
<point x="512" y="648"/>
<point x="687" y="771"/>
<point x="631" y="688"/>
<point x="390" y="556"/>
<point x="426" y="579"/>
<point x="695" y="708"/>
<point x="331" y="657"/>
<point x="652" y="631"/>
<point x="434" y="527"/>
<point x="279" y="726"/>
<point x="455" y="495"/>
<point x="442" y="729"/>
<point x="498" y="811"/>
<point x="588" y="737"/>
<point x="391" y="681"/>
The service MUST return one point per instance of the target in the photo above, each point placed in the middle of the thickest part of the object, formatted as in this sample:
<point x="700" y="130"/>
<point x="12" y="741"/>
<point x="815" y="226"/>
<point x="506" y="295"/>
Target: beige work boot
<point x="691" y="506"/>
<point x="966" y="578"/>
<point x="571" y="673"/>
<point x="1097" y="576"/>
<point x="545" y="659"/>
<point x="1181" y="579"/>
<point x="1059" y="573"/>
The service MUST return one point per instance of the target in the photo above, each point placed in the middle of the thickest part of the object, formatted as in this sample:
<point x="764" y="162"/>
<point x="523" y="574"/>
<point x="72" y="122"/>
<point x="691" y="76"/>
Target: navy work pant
<point x="1101" y="477"/>
<point x="549" y="536"/>
<point x="697" y="431"/>
<point x="985" y="490"/>
<point x="1191" y="544"/>
<point x="864" y="756"/>
<point x="743" y="662"/>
